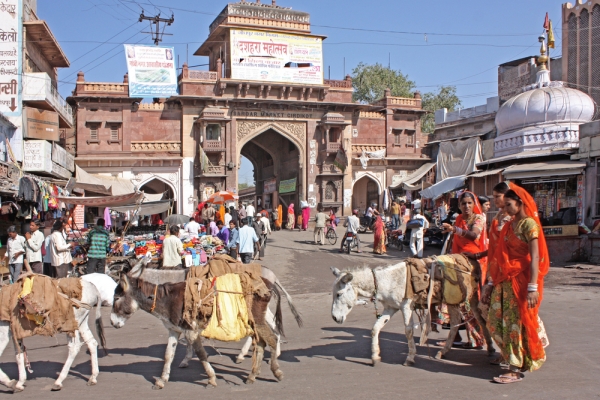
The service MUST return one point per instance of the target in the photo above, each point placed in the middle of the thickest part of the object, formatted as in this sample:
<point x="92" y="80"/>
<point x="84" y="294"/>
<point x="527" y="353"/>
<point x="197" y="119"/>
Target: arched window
<point x="330" y="192"/>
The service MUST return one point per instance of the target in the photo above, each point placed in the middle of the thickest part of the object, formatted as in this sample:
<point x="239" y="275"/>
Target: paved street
<point x="326" y="360"/>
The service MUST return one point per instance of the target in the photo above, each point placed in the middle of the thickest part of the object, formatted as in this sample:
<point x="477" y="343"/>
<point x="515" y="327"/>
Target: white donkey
<point x="90" y="297"/>
<point x="388" y="285"/>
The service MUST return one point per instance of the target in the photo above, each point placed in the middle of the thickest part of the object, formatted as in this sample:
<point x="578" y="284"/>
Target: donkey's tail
<point x="278" y="317"/>
<point x="99" y="325"/>
<point x="297" y="315"/>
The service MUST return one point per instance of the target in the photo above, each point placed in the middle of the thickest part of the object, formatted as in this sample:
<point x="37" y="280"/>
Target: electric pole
<point x="156" y="32"/>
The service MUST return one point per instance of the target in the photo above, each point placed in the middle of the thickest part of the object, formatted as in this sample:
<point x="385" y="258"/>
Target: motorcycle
<point x="350" y="242"/>
<point x="365" y="224"/>
<point x="433" y="236"/>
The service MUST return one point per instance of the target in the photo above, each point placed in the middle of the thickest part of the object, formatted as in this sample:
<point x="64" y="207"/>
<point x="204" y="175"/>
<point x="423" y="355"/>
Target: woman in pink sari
<point x="305" y="217"/>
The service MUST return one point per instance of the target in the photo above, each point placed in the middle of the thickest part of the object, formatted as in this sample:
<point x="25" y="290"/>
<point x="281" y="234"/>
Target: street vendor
<point x="172" y="249"/>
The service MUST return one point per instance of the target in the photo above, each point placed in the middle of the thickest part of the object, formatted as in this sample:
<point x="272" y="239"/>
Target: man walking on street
<point x="266" y="230"/>
<point x="320" y="220"/>
<point x="172" y="249"/>
<point x="416" y="235"/>
<point x="16" y="248"/>
<point x="241" y="214"/>
<point x="99" y="240"/>
<point x="245" y="244"/>
<point x="33" y="249"/>
<point x="234" y="235"/>
<point x="250" y="213"/>
<point x="395" y="215"/>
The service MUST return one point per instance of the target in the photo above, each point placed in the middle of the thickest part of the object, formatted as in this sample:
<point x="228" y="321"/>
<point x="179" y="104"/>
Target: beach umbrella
<point x="222" y="197"/>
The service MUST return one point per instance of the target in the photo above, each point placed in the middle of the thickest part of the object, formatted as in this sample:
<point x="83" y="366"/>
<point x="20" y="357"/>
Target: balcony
<point x="156" y="146"/>
<point x="329" y="169"/>
<point x="39" y="92"/>
<point x="333" y="147"/>
<point x="213" y="146"/>
<point x="214" y="170"/>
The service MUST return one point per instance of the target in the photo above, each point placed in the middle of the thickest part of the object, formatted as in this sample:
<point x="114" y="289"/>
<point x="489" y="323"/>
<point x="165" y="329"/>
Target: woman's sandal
<point x="504" y="379"/>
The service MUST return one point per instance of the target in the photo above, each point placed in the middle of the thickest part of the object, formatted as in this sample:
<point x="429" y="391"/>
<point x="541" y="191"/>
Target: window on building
<point x="114" y="133"/>
<point x="213" y="132"/>
<point x="330" y="192"/>
<point x="397" y="136"/>
<point x="410" y="137"/>
<point x="94" y="132"/>
<point x="334" y="135"/>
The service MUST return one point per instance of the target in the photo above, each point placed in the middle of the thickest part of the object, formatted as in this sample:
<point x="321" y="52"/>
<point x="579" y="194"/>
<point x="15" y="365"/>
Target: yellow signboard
<point x="276" y="57"/>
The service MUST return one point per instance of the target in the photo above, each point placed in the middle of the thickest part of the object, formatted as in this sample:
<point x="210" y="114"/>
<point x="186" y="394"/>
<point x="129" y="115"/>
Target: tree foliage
<point x="445" y="97"/>
<point x="243" y="186"/>
<point x="371" y="81"/>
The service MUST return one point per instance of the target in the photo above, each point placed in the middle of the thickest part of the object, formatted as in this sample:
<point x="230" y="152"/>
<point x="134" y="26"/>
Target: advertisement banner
<point x="10" y="50"/>
<point x="276" y="57"/>
<point x="41" y="124"/>
<point x="270" y="185"/>
<point x="151" y="71"/>
<point x="288" y="186"/>
<point x="38" y="156"/>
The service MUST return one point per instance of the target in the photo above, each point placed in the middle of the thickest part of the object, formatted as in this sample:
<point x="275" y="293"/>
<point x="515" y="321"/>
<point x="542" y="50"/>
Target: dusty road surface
<point x="327" y="360"/>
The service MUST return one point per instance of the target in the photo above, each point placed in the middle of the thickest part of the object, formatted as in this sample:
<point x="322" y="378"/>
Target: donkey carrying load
<point x="54" y="305"/>
<point x="392" y="286"/>
<point x="167" y="302"/>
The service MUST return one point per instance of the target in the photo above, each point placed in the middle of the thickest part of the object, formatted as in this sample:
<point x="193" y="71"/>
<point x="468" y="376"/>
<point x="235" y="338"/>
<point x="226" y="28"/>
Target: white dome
<point x="553" y="105"/>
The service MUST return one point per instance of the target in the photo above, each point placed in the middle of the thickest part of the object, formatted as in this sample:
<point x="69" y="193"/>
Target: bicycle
<point x="331" y="235"/>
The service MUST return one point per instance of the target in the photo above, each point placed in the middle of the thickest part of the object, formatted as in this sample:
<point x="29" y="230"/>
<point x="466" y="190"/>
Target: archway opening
<point x="277" y="171"/>
<point x="156" y="186"/>
<point x="364" y="192"/>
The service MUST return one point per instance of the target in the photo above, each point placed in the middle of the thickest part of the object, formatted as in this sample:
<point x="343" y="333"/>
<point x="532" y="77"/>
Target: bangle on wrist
<point x="532" y="287"/>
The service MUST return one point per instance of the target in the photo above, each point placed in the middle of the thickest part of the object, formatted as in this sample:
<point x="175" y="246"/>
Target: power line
<point x="105" y="42"/>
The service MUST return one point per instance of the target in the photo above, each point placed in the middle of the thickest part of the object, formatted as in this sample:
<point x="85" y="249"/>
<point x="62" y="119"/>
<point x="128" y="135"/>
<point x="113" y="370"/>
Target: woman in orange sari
<point x="517" y="270"/>
<point x="379" y="236"/>
<point x="470" y="237"/>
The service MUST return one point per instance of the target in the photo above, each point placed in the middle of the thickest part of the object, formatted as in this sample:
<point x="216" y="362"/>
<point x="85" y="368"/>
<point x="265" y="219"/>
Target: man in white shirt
<point x="15" y="250"/>
<point x="227" y="217"/>
<point x="192" y="227"/>
<point x="352" y="224"/>
<point x="416" y="235"/>
<point x="172" y="249"/>
<point x="245" y="242"/>
<point x="33" y="250"/>
<point x="250" y="213"/>
<point x="60" y="250"/>
<point x="266" y="230"/>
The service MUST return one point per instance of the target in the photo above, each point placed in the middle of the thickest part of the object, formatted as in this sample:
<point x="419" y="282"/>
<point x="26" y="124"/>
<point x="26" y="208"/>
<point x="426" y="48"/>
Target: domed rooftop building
<point x="545" y="116"/>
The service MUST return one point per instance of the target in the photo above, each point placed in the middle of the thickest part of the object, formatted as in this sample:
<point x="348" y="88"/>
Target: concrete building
<point x="291" y="130"/>
<point x="581" y="46"/>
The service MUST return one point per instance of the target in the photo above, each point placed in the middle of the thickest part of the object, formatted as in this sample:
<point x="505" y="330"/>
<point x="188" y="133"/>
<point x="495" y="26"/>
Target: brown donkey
<point x="166" y="302"/>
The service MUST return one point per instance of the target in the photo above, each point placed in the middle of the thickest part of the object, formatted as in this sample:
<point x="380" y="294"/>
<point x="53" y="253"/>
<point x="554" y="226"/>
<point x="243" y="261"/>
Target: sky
<point x="437" y="42"/>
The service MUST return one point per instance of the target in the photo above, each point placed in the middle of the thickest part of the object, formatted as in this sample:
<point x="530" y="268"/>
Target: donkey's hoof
<point x="439" y="355"/>
<point x="239" y="360"/>
<point x="91" y="382"/>
<point x="250" y="380"/>
<point x="56" y="387"/>
<point x="409" y="363"/>
<point x="376" y="360"/>
<point x="279" y="375"/>
<point x="212" y="382"/>
<point x="183" y="364"/>
<point x="159" y="384"/>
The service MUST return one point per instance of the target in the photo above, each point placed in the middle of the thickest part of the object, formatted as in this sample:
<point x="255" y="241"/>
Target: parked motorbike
<point x="433" y="236"/>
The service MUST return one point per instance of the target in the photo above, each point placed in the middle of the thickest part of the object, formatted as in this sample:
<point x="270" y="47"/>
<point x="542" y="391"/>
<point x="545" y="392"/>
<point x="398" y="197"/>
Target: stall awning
<point x="481" y="174"/>
<point x="149" y="208"/>
<point x="102" y="184"/>
<point x="418" y="186"/>
<point x="528" y="154"/>
<point x="415" y="176"/>
<point x="544" y="169"/>
<point x="107" y="201"/>
<point x="445" y="186"/>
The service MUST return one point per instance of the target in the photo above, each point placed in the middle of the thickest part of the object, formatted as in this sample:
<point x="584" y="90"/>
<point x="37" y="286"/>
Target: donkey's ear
<point x="347" y="278"/>
<point x="336" y="272"/>
<point x="124" y="282"/>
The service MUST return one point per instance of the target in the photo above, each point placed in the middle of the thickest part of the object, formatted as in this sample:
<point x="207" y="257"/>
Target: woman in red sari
<point x="379" y="236"/>
<point x="517" y="270"/>
<point x="470" y="237"/>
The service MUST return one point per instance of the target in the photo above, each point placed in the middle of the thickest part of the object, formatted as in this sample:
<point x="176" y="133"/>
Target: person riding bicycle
<point x="352" y="224"/>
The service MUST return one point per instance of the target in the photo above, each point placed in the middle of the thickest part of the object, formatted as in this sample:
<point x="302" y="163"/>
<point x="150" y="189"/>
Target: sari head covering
<point x="462" y="244"/>
<point x="512" y="261"/>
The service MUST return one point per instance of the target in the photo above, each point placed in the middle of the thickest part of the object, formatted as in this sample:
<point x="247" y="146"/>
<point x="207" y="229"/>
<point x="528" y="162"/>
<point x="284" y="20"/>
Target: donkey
<point x="388" y="286"/>
<point x="133" y="294"/>
<point x="90" y="297"/>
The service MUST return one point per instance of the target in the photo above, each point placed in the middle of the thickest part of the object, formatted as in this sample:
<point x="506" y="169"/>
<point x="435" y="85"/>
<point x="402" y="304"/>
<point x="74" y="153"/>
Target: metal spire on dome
<point x="543" y="75"/>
